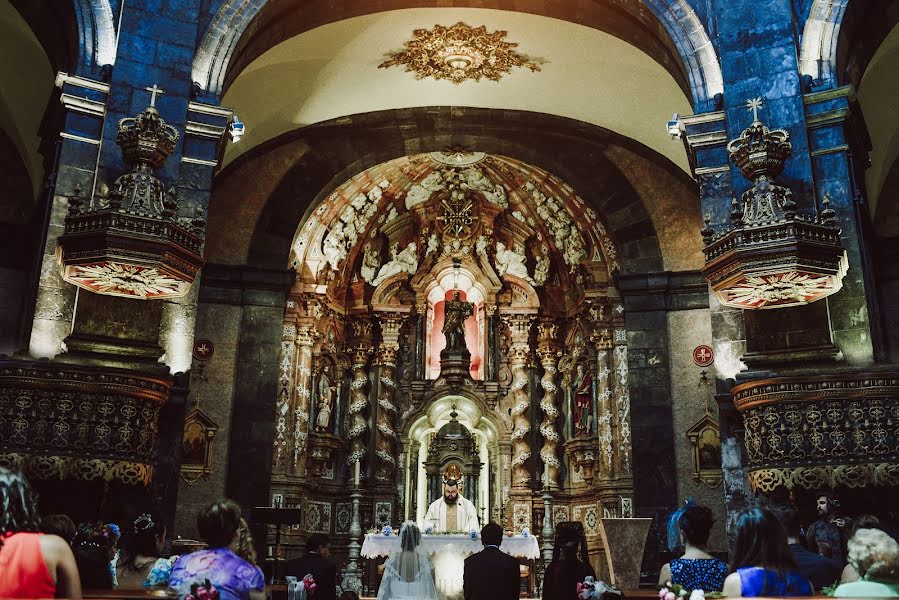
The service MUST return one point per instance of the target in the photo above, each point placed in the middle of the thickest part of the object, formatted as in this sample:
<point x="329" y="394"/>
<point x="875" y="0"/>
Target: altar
<point x="448" y="553"/>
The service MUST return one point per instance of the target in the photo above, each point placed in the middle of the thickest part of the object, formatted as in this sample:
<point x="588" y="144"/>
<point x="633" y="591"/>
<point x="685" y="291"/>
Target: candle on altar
<point x="356" y="476"/>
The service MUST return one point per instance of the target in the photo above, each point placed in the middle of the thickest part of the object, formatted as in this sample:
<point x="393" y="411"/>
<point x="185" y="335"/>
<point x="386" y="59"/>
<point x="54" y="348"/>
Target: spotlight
<point x="237" y="129"/>
<point x="673" y="126"/>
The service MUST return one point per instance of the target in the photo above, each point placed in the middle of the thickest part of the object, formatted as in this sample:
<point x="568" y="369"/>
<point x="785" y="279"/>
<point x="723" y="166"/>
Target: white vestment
<point x="466" y="515"/>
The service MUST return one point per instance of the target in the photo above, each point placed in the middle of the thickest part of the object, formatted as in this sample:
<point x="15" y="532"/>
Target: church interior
<point x="589" y="259"/>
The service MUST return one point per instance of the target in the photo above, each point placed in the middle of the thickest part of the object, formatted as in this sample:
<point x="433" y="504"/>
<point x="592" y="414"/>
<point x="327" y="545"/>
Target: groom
<point x="491" y="574"/>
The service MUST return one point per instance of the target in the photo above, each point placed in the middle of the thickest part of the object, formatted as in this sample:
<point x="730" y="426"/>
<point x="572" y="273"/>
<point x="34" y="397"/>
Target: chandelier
<point x="131" y="243"/>
<point x="771" y="256"/>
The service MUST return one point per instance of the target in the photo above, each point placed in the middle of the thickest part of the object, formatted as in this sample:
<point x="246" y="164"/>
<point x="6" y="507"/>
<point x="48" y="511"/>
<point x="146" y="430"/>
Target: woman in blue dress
<point x="762" y="562"/>
<point x="696" y="569"/>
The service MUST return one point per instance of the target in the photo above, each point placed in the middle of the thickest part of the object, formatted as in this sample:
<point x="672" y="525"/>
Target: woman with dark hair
<point x="235" y="578"/>
<point x="762" y="562"/>
<point x="696" y="569"/>
<point x="141" y="566"/>
<point x="567" y="569"/>
<point x="32" y="565"/>
<point x="94" y="547"/>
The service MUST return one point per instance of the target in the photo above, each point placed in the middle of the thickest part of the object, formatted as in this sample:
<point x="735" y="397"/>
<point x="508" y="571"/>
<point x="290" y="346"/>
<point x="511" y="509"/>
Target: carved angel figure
<point x="325" y="401"/>
<point x="371" y="262"/>
<point x="541" y="269"/>
<point x="421" y="191"/>
<point x="493" y="192"/>
<point x="511" y="261"/>
<point x="405" y="260"/>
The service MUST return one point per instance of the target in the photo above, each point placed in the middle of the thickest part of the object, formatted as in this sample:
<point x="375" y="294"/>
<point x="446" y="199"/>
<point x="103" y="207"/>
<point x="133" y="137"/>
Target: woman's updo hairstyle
<point x="696" y="524"/>
<point x="218" y="522"/>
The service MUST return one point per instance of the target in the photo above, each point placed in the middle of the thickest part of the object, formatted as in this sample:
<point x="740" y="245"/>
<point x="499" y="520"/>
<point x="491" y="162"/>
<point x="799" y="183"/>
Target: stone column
<point x="387" y="410"/>
<point x="520" y="325"/>
<point x="549" y="356"/>
<point x="286" y="370"/>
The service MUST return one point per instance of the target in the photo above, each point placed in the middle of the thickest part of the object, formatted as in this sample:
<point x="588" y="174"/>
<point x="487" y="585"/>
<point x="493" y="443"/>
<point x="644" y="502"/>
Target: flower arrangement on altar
<point x="202" y="591"/>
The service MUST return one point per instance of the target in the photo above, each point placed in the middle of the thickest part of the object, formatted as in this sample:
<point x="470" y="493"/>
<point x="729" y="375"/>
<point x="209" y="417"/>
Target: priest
<point x="452" y="512"/>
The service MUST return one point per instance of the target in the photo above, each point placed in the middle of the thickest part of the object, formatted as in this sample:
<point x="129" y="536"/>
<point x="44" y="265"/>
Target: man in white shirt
<point x="452" y="512"/>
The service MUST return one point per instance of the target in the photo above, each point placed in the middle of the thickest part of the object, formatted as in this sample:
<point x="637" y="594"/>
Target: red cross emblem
<point x="703" y="356"/>
<point x="203" y="349"/>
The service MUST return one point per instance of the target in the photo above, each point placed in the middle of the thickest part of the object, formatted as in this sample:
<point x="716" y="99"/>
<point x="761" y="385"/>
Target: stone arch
<point x="820" y="37"/>
<point x="671" y="32"/>
<point x="96" y="35"/>
<point x="321" y="157"/>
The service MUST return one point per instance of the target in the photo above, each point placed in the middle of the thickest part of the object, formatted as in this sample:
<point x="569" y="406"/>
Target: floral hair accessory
<point x="202" y="591"/>
<point x="473" y="534"/>
<point x="114" y="530"/>
<point x="674" y="521"/>
<point x="387" y="531"/>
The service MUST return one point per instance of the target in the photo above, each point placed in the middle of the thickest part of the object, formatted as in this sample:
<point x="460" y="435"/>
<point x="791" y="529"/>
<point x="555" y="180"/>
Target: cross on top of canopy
<point x="416" y="215"/>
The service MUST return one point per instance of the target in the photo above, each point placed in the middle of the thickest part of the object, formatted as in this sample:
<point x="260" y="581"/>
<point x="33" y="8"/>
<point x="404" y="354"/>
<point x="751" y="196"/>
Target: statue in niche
<point x="325" y="401"/>
<point x="371" y="262"/>
<point x="454" y="324"/>
<point x="405" y="260"/>
<point x="583" y="401"/>
<point x="541" y="269"/>
<point x="511" y="261"/>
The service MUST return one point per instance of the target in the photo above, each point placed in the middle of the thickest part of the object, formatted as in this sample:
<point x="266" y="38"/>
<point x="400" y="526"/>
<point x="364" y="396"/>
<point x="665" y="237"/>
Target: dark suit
<point x="323" y="571"/>
<point x="491" y="574"/>
<point x="819" y="570"/>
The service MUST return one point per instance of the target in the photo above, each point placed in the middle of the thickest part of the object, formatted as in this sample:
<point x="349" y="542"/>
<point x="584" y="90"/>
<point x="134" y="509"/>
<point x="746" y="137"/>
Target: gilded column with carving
<point x="301" y="411"/>
<point x="286" y="370"/>
<point x="549" y="355"/>
<point x="603" y="341"/>
<point x="622" y="408"/>
<point x="519" y="326"/>
<point x="386" y="446"/>
<point x="359" y="353"/>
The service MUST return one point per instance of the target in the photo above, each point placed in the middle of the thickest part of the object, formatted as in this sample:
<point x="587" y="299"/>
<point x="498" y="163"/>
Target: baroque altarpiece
<point x="541" y="401"/>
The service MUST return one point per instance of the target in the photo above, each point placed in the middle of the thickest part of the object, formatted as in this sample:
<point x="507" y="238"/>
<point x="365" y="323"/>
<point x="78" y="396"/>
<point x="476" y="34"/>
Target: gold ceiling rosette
<point x="459" y="53"/>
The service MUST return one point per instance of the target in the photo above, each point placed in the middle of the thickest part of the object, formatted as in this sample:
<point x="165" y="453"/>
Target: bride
<point x="408" y="574"/>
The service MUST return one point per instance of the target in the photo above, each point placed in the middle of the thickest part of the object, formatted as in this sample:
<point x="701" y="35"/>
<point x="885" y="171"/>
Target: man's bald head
<point x="451" y="491"/>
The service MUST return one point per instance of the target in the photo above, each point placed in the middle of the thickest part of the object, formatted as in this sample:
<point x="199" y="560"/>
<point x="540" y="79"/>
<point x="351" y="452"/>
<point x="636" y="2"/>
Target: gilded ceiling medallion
<point x="459" y="53"/>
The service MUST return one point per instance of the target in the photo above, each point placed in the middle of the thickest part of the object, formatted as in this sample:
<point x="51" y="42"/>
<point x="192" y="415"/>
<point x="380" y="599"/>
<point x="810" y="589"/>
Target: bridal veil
<point x="407" y="574"/>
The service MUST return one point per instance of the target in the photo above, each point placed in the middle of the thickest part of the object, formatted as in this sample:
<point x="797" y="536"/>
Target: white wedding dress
<point x="408" y="573"/>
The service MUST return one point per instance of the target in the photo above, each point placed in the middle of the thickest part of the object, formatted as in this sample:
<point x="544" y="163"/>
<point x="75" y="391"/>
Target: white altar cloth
<point x="378" y="544"/>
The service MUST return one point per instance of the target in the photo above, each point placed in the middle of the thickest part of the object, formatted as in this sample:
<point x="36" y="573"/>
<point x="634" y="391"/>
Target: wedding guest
<point x="245" y="548"/>
<point x="849" y="573"/>
<point x="696" y="569"/>
<point x="61" y="525"/>
<point x="491" y="574"/>
<point x="819" y="569"/>
<point x="235" y="578"/>
<point x="762" y="563"/>
<point x="94" y="547"/>
<point x="875" y="557"/>
<point x="828" y="535"/>
<point x="32" y="564"/>
<point x="567" y="569"/>
<point x="141" y="565"/>
<point x="317" y="563"/>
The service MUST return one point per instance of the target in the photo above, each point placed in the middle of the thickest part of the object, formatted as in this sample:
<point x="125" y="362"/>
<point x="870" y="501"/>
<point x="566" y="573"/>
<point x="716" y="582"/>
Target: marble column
<point x="603" y="342"/>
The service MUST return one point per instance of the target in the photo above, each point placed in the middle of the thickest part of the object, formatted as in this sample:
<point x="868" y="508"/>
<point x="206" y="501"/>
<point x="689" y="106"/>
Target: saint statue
<point x="325" y="401"/>
<point x="456" y="311"/>
<point x="452" y="512"/>
<point x="583" y="402"/>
